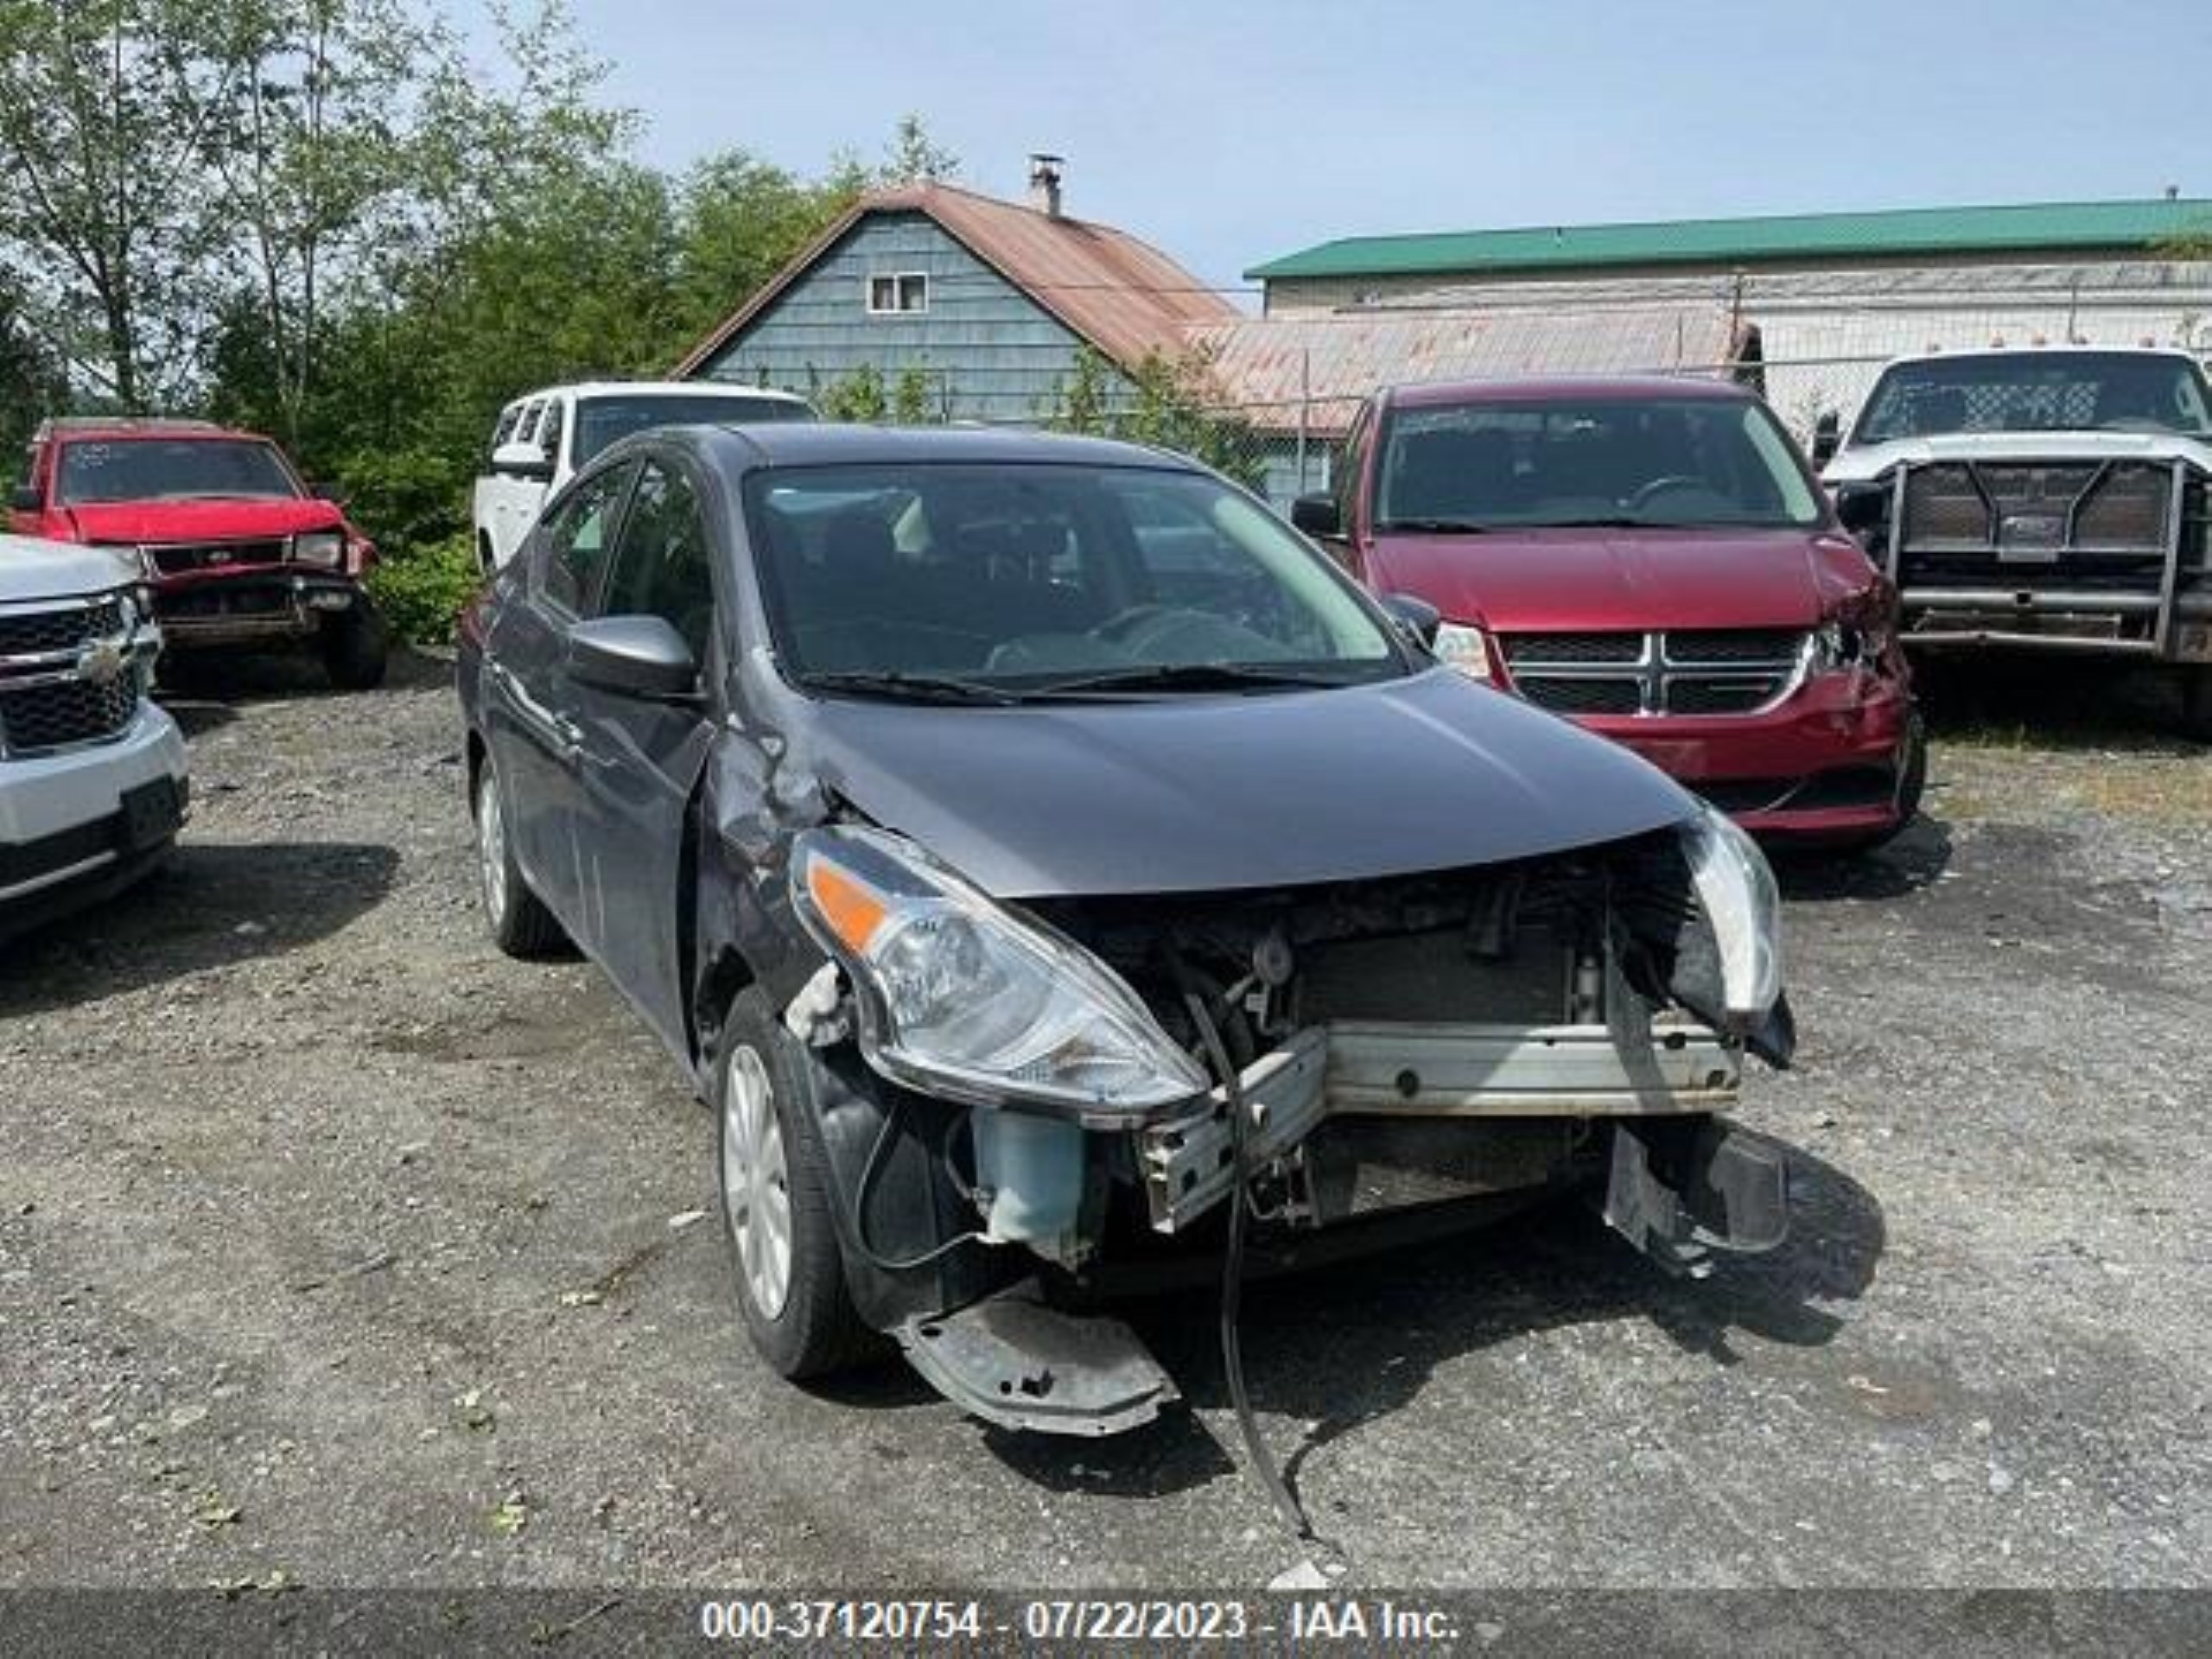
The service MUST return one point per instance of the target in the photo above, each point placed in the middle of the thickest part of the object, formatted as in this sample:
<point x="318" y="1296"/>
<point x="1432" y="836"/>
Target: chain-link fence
<point x="1812" y="343"/>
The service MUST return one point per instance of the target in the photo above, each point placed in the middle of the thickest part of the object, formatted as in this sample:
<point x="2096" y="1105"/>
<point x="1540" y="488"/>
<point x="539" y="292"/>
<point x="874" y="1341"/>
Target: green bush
<point x="422" y="590"/>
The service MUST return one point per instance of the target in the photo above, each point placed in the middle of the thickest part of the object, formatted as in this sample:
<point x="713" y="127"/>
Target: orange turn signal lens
<point x="853" y="912"/>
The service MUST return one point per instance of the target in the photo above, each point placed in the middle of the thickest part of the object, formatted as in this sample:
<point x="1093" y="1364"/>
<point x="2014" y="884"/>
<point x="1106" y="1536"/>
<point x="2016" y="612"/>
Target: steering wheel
<point x="1661" y="486"/>
<point x="1120" y="625"/>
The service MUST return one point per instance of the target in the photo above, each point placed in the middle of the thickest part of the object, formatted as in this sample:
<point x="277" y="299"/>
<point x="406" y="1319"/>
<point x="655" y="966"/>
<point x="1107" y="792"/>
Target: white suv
<point x="92" y="785"/>
<point x="543" y="437"/>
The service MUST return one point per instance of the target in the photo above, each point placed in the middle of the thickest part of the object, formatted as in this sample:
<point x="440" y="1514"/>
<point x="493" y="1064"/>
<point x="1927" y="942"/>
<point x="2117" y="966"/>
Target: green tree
<point x="740" y="221"/>
<point x="1164" y="401"/>
<point x="314" y="161"/>
<point x="859" y="395"/>
<point x="108" y="113"/>
<point x="914" y="157"/>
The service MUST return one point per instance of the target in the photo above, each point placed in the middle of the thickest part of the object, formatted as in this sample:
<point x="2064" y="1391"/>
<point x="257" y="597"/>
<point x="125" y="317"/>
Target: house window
<point x="905" y="292"/>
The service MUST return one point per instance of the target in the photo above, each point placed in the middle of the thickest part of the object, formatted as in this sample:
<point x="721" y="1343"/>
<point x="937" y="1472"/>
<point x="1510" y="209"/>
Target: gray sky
<point x="1230" y="133"/>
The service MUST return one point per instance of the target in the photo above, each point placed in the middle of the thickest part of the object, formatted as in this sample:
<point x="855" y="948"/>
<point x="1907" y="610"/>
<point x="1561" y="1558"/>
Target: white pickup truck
<point x="92" y="783"/>
<point x="2043" y="498"/>
<point x="543" y="436"/>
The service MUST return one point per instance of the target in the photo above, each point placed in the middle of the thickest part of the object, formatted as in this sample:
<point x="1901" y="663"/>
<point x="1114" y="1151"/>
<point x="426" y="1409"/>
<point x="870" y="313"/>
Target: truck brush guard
<point x="2102" y="555"/>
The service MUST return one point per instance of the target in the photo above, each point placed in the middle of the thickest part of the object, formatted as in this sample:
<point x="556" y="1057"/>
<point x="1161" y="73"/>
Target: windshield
<point x="150" y="469"/>
<point x="1023" y="579"/>
<point x="1669" y="463"/>
<point x="601" y="421"/>
<point x="2073" y="391"/>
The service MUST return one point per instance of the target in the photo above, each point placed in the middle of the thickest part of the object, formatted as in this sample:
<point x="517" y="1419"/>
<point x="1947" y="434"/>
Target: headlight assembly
<point x="1464" y="648"/>
<point x="324" y="548"/>
<point x="961" y="998"/>
<point x="1735" y="886"/>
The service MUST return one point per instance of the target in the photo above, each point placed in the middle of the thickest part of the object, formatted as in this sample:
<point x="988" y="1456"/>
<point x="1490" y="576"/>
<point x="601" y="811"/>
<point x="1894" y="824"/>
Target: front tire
<point x="1912" y="785"/>
<point x="776" y="1194"/>
<point x="520" y="925"/>
<point x="2197" y="702"/>
<point x="356" y="647"/>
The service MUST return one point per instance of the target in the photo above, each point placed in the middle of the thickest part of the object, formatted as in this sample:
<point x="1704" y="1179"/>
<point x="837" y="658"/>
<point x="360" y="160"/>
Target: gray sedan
<point x="1058" y="877"/>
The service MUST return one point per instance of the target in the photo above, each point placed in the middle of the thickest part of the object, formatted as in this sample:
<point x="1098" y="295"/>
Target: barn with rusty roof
<point x="990" y="301"/>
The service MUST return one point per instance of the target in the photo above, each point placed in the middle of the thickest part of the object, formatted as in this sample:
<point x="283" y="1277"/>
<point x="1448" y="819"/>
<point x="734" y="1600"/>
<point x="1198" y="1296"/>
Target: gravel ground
<point x="334" y="1245"/>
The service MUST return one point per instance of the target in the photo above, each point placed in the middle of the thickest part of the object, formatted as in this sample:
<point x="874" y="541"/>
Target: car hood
<point x="1548" y="581"/>
<point x="136" y="521"/>
<point x="1217" y="794"/>
<point x="1858" y="464"/>
<point x="30" y="568"/>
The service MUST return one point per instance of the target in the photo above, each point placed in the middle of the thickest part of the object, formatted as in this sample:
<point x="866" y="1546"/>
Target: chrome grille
<point x="24" y="635"/>
<point x="59" y="716"/>
<point x="177" y="557"/>
<point x="1608" y="695"/>
<point x="71" y="673"/>
<point x="1689" y="672"/>
<point x="1754" y="646"/>
<point x="1572" y="648"/>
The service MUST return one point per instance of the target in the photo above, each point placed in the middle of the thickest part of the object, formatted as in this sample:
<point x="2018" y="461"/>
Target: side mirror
<point x="1317" y="515"/>
<point x="1416" y="619"/>
<point x="640" y="657"/>
<point x="1827" y="438"/>
<point x="1862" y="507"/>
<point x="521" y="461"/>
<point x="25" y="498"/>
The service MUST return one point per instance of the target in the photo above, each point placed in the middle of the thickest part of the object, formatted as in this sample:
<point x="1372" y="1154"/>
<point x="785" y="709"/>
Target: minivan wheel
<point x="1912" y="785"/>
<point x="775" y="1200"/>
<point x="355" y="647"/>
<point x="520" y="923"/>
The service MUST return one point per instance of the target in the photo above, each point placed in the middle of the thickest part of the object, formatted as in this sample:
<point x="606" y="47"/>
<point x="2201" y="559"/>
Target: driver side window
<point x="662" y="563"/>
<point x="573" y="541"/>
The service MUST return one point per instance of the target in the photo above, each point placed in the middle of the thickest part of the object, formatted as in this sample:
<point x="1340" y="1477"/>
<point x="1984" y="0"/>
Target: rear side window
<point x="575" y="540"/>
<point x="510" y="418"/>
<point x="601" y="421"/>
<point x="661" y="565"/>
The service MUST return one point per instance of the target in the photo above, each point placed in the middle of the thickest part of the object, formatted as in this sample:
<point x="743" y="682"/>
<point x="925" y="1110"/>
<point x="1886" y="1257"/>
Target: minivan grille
<point x="1688" y="671"/>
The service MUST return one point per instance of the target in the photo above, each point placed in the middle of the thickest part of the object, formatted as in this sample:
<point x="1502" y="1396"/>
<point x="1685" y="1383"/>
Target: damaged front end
<point x="1078" y="1090"/>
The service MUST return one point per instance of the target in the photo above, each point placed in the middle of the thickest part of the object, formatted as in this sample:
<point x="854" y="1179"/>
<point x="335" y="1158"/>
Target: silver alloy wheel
<point x="492" y="845"/>
<point x="756" y="1182"/>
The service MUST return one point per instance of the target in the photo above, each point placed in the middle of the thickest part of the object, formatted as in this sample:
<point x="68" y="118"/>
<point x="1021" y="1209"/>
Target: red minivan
<point x="1654" y="559"/>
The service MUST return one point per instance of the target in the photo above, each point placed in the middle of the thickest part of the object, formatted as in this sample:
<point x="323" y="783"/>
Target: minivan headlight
<point x="1464" y="648"/>
<point x="323" y="548"/>
<point x="960" y="998"/>
<point x="1735" y="886"/>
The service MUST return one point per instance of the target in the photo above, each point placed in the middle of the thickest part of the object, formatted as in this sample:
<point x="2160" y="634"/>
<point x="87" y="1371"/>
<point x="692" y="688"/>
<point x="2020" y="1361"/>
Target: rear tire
<point x="355" y="647"/>
<point x="519" y="921"/>
<point x="776" y="1195"/>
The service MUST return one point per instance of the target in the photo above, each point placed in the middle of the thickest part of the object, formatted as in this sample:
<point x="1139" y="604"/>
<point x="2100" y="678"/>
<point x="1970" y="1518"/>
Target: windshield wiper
<point x="1437" y="526"/>
<point x="1182" y="676"/>
<point x="908" y="688"/>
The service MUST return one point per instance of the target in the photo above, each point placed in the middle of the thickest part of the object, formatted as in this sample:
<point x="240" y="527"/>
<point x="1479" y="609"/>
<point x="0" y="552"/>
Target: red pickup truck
<point x="237" y="551"/>
<point x="1653" y="559"/>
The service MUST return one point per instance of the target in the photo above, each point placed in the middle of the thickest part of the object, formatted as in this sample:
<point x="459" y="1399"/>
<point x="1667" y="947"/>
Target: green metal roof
<point x="2032" y="227"/>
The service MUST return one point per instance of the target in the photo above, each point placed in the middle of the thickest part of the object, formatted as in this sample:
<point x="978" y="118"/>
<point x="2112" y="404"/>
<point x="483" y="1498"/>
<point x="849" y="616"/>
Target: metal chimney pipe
<point x="1044" y="184"/>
